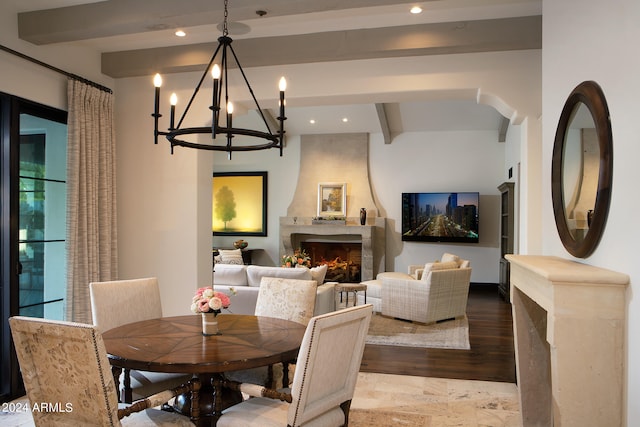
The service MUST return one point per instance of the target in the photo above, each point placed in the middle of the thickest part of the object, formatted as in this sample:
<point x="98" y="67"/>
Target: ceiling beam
<point x="505" y="34"/>
<point x="384" y="123"/>
<point x="120" y="17"/>
<point x="504" y="126"/>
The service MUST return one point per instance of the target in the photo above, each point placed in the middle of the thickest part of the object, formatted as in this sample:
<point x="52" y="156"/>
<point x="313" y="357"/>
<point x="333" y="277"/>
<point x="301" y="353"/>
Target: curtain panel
<point x="91" y="196"/>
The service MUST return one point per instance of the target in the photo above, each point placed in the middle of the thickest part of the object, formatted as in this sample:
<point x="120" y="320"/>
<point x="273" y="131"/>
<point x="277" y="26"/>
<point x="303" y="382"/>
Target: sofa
<point x="245" y="280"/>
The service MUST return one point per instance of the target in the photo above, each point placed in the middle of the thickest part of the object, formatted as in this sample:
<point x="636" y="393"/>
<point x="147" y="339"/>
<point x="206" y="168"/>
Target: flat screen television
<point x="440" y="217"/>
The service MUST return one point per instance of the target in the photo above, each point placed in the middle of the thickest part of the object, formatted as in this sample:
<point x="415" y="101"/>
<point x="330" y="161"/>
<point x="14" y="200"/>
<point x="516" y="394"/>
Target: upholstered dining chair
<point x="323" y="385"/>
<point x="65" y="365"/>
<point x="119" y="302"/>
<point x="288" y="299"/>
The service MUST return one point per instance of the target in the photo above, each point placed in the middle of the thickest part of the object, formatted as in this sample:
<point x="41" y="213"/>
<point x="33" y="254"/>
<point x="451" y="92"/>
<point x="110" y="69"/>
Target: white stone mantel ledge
<point x="569" y="324"/>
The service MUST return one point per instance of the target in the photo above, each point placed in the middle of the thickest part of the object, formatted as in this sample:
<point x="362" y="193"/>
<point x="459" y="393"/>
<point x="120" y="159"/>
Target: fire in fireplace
<point x="343" y="259"/>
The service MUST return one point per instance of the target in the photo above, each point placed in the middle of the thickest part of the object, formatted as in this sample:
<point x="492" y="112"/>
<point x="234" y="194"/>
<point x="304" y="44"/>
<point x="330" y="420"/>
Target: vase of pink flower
<point x="209" y="303"/>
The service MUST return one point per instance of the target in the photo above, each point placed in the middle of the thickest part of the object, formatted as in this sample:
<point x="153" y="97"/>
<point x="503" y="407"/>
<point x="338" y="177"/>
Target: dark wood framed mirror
<point x="581" y="169"/>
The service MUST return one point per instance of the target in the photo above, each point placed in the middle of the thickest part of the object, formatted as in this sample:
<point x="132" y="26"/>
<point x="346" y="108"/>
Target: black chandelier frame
<point x="176" y="134"/>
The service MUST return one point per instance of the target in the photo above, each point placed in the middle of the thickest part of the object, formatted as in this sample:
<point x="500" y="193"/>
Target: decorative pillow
<point x="447" y="257"/>
<point x="318" y="273"/>
<point x="231" y="256"/>
<point x="433" y="266"/>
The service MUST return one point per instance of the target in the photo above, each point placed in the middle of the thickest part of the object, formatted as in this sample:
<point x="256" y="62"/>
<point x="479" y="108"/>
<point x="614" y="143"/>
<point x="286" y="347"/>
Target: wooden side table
<point x="351" y="287"/>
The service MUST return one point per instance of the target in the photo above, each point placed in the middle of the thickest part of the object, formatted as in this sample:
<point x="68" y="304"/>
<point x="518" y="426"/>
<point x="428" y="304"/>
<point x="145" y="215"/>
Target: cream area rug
<point x="453" y="334"/>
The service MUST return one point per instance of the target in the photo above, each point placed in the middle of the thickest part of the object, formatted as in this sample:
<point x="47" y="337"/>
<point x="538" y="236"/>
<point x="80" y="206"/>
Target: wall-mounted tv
<point x="440" y="217"/>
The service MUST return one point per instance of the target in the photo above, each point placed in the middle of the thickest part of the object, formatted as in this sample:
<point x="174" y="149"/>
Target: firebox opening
<point x="343" y="259"/>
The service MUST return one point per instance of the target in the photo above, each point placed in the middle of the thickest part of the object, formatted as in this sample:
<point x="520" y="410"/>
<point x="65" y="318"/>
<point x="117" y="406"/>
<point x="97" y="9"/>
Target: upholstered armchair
<point x="324" y="382"/>
<point x="65" y="364"/>
<point x="428" y="294"/>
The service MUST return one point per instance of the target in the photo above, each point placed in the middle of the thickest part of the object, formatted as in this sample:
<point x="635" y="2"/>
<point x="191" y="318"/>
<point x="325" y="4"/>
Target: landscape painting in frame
<point x="332" y="199"/>
<point x="239" y="204"/>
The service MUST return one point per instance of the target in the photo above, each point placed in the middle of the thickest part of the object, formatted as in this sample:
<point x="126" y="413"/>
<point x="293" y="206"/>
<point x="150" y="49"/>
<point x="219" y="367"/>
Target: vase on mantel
<point x="363" y="216"/>
<point x="210" y="324"/>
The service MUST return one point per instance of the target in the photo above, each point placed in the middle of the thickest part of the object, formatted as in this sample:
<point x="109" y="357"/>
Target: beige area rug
<point x="453" y="334"/>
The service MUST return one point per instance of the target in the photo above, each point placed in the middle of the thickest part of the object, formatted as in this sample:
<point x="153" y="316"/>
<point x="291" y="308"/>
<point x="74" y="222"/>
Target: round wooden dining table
<point x="176" y="344"/>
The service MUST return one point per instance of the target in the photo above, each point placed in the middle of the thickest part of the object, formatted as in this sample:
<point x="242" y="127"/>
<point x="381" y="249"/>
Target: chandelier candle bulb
<point x="157" y="82"/>
<point x="229" y="126"/>
<point x="173" y="100"/>
<point x="215" y="73"/>
<point x="282" y="86"/>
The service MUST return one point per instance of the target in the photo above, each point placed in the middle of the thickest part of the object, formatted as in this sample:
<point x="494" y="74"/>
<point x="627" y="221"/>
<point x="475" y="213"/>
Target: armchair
<point x="65" y="364"/>
<point x="324" y="383"/>
<point x="438" y="294"/>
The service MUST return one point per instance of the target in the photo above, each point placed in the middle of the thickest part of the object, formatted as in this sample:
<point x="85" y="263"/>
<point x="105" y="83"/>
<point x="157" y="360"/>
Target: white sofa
<point x="245" y="279"/>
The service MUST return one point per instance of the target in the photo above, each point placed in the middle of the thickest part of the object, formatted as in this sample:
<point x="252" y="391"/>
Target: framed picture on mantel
<point x="332" y="199"/>
<point x="239" y="204"/>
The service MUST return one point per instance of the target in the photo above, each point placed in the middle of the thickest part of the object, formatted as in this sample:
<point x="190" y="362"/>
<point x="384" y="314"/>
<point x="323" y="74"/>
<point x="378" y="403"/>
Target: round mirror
<point x="581" y="169"/>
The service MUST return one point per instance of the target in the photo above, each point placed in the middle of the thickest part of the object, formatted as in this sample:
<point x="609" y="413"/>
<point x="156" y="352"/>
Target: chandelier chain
<point x="225" y="29"/>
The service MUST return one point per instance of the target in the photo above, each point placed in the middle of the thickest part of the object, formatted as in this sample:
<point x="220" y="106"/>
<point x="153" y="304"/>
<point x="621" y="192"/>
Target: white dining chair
<point x="118" y="302"/>
<point x="324" y="382"/>
<point x="288" y="299"/>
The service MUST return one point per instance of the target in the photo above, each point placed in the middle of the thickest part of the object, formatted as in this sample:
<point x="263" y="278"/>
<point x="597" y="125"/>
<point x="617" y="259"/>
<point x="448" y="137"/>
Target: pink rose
<point x="224" y="299"/>
<point x="203" y="305"/>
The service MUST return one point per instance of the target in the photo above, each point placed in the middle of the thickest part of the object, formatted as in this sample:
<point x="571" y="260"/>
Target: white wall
<point x="589" y="41"/>
<point x="440" y="162"/>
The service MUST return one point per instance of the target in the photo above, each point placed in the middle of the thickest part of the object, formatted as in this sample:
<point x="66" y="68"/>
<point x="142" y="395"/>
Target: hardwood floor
<point x="491" y="357"/>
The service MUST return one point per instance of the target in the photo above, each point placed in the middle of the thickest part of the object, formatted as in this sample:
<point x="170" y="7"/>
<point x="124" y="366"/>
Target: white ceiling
<point x="117" y="27"/>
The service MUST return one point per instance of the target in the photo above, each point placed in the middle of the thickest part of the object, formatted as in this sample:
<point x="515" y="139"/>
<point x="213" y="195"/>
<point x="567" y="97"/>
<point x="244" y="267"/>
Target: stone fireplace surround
<point x="569" y="324"/>
<point x="370" y="236"/>
<point x="337" y="158"/>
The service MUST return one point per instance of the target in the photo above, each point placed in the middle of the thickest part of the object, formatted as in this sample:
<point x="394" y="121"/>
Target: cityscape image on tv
<point x="440" y="217"/>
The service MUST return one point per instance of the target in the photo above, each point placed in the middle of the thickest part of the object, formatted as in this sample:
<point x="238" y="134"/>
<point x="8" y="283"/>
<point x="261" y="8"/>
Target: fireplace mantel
<point x="569" y="332"/>
<point x="371" y="235"/>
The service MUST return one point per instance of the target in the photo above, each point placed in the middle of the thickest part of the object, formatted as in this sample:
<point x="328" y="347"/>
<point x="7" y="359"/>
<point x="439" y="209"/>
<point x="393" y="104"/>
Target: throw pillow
<point x="444" y="265"/>
<point x="318" y="273"/>
<point x="433" y="266"/>
<point x="447" y="257"/>
<point x="231" y="256"/>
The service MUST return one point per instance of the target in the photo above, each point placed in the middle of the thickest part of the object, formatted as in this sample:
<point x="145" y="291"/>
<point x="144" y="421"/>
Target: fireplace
<point x="343" y="259"/>
<point x="338" y="158"/>
<point x="369" y="239"/>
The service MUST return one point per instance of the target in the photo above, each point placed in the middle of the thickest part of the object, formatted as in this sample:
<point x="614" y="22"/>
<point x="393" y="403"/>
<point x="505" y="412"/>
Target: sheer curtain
<point x="91" y="196"/>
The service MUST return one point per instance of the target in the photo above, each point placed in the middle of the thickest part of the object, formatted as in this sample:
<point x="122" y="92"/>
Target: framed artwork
<point x="239" y="204"/>
<point x="332" y="199"/>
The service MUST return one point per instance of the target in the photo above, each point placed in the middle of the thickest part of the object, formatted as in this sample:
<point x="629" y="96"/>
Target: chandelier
<point x="221" y="134"/>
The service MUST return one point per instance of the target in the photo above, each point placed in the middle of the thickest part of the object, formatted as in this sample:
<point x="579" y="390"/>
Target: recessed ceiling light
<point x="416" y="9"/>
<point x="312" y="121"/>
<point x="180" y="33"/>
<point x="345" y="120"/>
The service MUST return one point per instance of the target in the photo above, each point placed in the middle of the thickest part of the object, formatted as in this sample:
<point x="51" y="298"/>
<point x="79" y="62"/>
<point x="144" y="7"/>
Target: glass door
<point x="42" y="217"/>
<point x="33" y="152"/>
